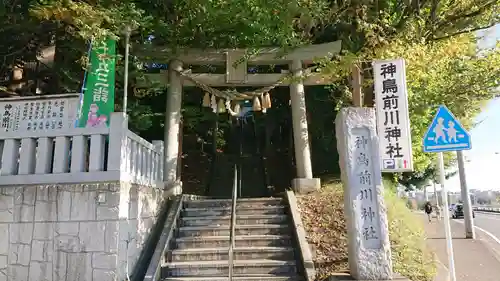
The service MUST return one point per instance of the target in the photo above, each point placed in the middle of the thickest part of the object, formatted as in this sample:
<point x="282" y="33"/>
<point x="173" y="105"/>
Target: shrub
<point x="323" y="218"/>
<point x="410" y="254"/>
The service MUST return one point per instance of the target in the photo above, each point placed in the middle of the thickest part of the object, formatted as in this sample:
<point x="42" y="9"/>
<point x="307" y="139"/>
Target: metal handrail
<point x="233" y="222"/>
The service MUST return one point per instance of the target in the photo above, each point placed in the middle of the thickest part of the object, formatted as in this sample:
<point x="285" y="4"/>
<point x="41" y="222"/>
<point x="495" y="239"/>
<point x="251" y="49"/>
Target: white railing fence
<point x="80" y="155"/>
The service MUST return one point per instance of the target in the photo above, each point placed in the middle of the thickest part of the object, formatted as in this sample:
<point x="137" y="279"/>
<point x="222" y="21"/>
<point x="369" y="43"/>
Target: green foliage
<point x="433" y="37"/>
<point x="323" y="218"/>
<point x="420" y="179"/>
<point x="240" y="23"/>
<point x="92" y="20"/>
<point x="364" y="25"/>
<point x="192" y="23"/>
<point x="448" y="72"/>
<point x="25" y="33"/>
<point x="410" y="254"/>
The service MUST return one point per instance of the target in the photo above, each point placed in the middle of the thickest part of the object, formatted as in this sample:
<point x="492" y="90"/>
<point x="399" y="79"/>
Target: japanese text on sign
<point x="368" y="222"/>
<point x="37" y="115"/>
<point x="393" y="123"/>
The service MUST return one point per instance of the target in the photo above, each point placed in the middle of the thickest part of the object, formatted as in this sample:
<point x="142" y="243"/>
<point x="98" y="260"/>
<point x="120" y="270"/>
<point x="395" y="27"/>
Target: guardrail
<point x="489" y="209"/>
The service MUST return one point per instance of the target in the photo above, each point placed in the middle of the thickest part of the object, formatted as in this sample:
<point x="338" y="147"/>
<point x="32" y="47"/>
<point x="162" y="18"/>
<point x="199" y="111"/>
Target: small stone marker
<point x="364" y="207"/>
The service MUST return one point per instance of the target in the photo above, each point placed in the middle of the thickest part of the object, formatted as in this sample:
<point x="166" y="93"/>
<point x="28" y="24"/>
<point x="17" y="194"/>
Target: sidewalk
<point x="474" y="261"/>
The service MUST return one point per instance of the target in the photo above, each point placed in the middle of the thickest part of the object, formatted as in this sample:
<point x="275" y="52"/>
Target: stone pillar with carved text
<point x="364" y="206"/>
<point x="304" y="183"/>
<point x="172" y="127"/>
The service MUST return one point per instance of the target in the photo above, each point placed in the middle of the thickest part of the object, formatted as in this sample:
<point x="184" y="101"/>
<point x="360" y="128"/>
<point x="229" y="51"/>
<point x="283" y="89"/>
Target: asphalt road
<point x="488" y="222"/>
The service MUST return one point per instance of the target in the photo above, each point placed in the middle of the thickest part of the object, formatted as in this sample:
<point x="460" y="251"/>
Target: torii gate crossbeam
<point x="237" y="75"/>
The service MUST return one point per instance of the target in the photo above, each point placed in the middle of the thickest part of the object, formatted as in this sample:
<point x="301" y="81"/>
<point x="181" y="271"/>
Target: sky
<point x="482" y="161"/>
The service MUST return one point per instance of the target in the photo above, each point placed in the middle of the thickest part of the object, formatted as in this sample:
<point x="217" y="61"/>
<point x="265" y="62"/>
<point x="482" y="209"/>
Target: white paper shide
<point x="393" y="122"/>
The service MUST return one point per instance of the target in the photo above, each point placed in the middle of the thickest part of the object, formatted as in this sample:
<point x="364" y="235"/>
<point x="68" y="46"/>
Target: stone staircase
<point x="264" y="242"/>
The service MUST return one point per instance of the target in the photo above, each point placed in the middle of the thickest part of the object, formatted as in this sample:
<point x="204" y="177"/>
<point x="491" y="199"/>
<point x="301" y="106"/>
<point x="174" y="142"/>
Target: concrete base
<point x="346" y="276"/>
<point x="305" y="186"/>
<point x="172" y="188"/>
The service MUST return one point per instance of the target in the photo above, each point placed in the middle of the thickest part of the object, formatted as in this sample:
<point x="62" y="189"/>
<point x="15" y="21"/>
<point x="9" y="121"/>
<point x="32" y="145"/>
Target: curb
<point x="300" y="236"/>
<point x="442" y="273"/>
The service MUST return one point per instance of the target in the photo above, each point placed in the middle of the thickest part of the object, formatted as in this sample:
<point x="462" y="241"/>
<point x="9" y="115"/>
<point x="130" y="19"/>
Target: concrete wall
<point x="87" y="232"/>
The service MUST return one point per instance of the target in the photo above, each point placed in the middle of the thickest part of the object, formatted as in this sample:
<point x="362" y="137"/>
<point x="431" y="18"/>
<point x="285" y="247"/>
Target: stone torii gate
<point x="237" y="75"/>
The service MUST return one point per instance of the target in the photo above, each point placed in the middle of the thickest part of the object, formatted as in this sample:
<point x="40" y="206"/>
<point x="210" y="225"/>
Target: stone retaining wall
<point x="74" y="232"/>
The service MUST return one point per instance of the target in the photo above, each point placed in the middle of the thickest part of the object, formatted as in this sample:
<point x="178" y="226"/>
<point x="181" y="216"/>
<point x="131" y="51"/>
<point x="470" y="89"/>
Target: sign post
<point x="447" y="226"/>
<point x="445" y="133"/>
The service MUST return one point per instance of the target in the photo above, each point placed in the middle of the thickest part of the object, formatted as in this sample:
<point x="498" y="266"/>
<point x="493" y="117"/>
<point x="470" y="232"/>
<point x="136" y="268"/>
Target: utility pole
<point x="468" y="219"/>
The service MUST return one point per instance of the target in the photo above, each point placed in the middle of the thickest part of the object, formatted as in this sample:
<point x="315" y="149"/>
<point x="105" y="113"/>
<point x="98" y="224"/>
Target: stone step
<point x="221" y="268"/>
<point x="242" y="253"/>
<point x="226" y="211"/>
<point x="257" y="229"/>
<point x="259" y="277"/>
<point x="240" y="220"/>
<point x="240" y="241"/>
<point x="244" y="202"/>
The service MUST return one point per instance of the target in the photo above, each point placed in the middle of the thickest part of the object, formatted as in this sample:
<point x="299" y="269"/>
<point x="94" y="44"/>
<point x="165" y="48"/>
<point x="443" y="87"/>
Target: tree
<point x="420" y="179"/>
<point x="449" y="72"/>
<point x="244" y="23"/>
<point x="361" y="25"/>
<point x="433" y="36"/>
<point x="191" y="23"/>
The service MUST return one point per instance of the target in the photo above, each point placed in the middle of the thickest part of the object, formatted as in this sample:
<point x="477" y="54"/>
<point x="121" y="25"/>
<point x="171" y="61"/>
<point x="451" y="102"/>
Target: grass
<point x="410" y="254"/>
<point x="323" y="217"/>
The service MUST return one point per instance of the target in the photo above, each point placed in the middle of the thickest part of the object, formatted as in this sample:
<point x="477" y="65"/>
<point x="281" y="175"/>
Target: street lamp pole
<point x="125" y="74"/>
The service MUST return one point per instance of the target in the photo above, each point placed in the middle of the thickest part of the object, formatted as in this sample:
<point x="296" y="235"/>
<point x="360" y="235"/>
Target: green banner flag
<point x="99" y="91"/>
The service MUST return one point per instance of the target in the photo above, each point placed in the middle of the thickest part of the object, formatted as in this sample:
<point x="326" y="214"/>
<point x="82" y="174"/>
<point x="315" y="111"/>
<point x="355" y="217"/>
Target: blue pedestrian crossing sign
<point x="446" y="133"/>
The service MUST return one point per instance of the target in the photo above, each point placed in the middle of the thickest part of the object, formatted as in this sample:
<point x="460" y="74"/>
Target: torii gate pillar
<point x="304" y="183"/>
<point x="172" y="128"/>
<point x="238" y="76"/>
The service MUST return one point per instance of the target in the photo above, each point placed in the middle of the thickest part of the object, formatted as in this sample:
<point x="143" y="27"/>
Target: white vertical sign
<point x="393" y="121"/>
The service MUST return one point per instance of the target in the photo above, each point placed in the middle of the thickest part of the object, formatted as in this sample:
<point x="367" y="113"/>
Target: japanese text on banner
<point x="99" y="91"/>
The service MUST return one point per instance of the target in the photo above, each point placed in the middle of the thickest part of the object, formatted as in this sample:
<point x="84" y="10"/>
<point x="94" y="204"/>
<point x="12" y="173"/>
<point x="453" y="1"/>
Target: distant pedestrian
<point x="428" y="210"/>
<point x="439" y="214"/>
